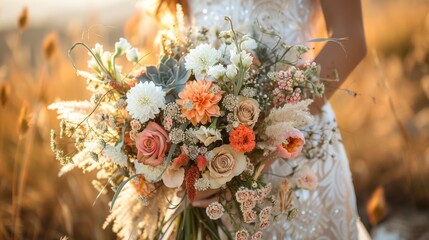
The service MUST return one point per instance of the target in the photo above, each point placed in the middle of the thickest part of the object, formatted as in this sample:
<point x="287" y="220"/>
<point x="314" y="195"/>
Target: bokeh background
<point x="382" y="110"/>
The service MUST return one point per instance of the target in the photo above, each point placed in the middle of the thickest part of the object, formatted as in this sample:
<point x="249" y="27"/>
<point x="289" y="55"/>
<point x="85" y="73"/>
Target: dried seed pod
<point x="23" y="19"/>
<point x="4" y="93"/>
<point x="50" y="45"/>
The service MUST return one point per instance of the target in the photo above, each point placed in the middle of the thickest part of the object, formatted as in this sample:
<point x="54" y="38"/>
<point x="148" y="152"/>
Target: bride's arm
<point x="343" y="19"/>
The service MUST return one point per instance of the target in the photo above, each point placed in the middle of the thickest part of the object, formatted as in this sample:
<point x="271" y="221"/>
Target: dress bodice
<point x="288" y="18"/>
<point x="329" y="211"/>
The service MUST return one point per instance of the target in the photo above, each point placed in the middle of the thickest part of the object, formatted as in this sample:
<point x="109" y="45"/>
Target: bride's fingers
<point x="199" y="195"/>
<point x="205" y="194"/>
<point x="203" y="203"/>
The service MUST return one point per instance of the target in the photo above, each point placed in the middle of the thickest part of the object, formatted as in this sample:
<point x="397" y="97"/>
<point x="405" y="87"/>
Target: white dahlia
<point x="201" y="58"/>
<point x="144" y="101"/>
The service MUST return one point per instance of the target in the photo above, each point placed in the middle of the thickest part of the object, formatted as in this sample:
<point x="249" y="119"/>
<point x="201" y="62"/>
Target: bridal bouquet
<point x="211" y="114"/>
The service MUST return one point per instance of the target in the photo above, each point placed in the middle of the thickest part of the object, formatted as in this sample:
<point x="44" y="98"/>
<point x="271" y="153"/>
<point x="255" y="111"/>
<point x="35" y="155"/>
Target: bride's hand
<point x="204" y="198"/>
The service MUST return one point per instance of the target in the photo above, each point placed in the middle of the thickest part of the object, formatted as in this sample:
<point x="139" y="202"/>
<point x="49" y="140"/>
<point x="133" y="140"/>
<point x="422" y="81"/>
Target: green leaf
<point x="120" y="189"/>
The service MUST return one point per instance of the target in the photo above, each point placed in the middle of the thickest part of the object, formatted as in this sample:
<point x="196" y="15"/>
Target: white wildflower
<point x="225" y="51"/>
<point x="248" y="43"/>
<point x="97" y="50"/>
<point x="144" y="101"/>
<point x="201" y="58"/>
<point x="217" y="71"/>
<point x="231" y="71"/>
<point x="116" y="154"/>
<point x="121" y="46"/>
<point x="133" y="55"/>
<point x="241" y="59"/>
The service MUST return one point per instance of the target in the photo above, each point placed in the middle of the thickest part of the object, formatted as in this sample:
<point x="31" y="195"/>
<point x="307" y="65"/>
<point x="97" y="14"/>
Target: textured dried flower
<point x="4" y="94"/>
<point x="176" y="135"/>
<point x="215" y="210"/>
<point x="23" y="121"/>
<point x="201" y="162"/>
<point x="249" y="216"/>
<point x="230" y="102"/>
<point x="190" y="136"/>
<point x="50" y="45"/>
<point x="242" y="235"/>
<point x="242" y="195"/>
<point x="23" y="19"/>
<point x="285" y="196"/>
<point x="249" y="92"/>
<point x="192" y="176"/>
<point x="265" y="214"/>
<point x="193" y="152"/>
<point x="249" y="204"/>
<point x="257" y="236"/>
<point x="202" y="184"/>
<point x="264" y="224"/>
<point x="180" y="161"/>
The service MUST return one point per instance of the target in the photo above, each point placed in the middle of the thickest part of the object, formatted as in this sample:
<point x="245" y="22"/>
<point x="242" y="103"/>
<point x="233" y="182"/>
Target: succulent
<point x="171" y="75"/>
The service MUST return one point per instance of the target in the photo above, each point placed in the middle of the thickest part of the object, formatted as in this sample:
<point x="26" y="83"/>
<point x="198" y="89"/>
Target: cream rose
<point x="208" y="135"/>
<point x="226" y="164"/>
<point x="247" y="111"/>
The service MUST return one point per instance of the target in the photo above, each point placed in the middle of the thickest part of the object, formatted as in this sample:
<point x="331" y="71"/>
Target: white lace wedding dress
<point x="329" y="211"/>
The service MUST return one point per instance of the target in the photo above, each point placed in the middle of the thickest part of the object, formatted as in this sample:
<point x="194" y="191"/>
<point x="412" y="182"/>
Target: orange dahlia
<point x="242" y="139"/>
<point x="198" y="101"/>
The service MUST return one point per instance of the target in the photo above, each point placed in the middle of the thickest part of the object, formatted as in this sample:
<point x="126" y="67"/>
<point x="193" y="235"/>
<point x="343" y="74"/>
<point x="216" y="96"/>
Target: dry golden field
<point x="383" y="112"/>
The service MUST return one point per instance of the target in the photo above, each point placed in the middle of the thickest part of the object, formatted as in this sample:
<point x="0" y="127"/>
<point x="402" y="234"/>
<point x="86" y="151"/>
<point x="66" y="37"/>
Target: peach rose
<point x="152" y="143"/>
<point x="247" y="111"/>
<point x="305" y="178"/>
<point x="291" y="148"/>
<point x="226" y="164"/>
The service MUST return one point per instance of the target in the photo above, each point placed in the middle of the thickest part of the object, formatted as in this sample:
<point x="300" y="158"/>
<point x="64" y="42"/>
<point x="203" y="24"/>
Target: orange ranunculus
<point x="198" y="102"/>
<point x="242" y="139"/>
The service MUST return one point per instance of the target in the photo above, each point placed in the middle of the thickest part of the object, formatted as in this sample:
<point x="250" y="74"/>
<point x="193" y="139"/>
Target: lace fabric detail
<point x="329" y="211"/>
<point x="289" y="18"/>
